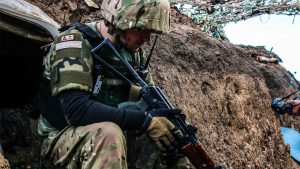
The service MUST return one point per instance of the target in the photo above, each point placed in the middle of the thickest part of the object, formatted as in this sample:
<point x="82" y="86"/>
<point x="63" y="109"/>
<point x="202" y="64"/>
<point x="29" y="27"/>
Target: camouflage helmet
<point x="153" y="15"/>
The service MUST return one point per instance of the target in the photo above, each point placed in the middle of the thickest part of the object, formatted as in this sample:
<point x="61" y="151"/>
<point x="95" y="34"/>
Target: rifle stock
<point x="156" y="99"/>
<point x="198" y="155"/>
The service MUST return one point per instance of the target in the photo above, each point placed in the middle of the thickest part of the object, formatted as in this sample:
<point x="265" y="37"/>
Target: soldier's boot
<point x="183" y="163"/>
<point x="180" y="163"/>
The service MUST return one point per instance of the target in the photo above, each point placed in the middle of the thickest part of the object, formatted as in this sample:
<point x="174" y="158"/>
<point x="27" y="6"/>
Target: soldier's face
<point x="134" y="38"/>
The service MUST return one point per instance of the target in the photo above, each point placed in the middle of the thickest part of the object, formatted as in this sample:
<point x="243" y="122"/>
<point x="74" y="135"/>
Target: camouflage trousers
<point x="98" y="146"/>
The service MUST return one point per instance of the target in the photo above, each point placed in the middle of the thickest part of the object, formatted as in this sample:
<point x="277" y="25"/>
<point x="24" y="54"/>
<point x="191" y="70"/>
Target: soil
<point x="225" y="92"/>
<point x="19" y="155"/>
<point x="3" y="162"/>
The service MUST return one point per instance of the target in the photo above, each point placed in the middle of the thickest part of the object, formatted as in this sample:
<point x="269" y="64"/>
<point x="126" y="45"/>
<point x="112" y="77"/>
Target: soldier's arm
<point x="296" y="107"/>
<point x="80" y="110"/>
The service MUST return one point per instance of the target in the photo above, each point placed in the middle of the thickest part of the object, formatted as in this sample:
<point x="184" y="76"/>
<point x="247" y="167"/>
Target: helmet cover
<point x="153" y="15"/>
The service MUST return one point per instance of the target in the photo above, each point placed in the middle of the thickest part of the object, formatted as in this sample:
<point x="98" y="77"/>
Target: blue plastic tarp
<point x="292" y="137"/>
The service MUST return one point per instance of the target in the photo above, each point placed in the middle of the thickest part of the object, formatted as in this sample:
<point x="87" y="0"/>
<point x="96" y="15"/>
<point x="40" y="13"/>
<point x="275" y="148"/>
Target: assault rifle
<point x="154" y="98"/>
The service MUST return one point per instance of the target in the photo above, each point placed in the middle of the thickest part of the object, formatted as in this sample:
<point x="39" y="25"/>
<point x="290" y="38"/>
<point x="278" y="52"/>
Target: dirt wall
<point x="227" y="94"/>
<point x="223" y="90"/>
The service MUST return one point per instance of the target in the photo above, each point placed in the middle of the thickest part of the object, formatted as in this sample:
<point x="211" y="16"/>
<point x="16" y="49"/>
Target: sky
<point x="281" y="32"/>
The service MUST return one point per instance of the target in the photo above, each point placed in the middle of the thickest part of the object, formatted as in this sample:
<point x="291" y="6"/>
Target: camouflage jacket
<point x="69" y="65"/>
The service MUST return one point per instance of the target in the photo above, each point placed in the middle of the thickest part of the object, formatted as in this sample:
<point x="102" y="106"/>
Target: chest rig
<point x="107" y="88"/>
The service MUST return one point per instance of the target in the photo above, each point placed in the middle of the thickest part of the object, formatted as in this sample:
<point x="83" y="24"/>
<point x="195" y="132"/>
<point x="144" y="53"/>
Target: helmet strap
<point x="149" y="57"/>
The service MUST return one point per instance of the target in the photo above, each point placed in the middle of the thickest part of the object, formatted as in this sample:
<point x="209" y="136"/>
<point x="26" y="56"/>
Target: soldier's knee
<point x="108" y="130"/>
<point x="112" y="130"/>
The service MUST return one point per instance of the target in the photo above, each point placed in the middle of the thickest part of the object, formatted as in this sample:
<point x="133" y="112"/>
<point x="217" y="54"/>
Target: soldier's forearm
<point x="80" y="110"/>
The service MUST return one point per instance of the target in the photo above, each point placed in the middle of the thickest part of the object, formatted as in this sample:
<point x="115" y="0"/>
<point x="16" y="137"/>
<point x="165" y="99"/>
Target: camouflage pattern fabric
<point x="183" y="163"/>
<point x="95" y="146"/>
<point x="70" y="63"/>
<point x="100" y="146"/>
<point x="144" y="14"/>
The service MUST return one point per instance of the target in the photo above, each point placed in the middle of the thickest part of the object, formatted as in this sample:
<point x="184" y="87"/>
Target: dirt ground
<point x="225" y="92"/>
<point x="3" y="162"/>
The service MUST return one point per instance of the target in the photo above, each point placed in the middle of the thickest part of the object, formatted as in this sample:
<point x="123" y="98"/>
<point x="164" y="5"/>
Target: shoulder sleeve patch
<point x="69" y="39"/>
<point x="69" y="44"/>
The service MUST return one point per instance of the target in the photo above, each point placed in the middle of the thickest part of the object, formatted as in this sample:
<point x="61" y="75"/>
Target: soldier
<point x="87" y="132"/>
<point x="296" y="106"/>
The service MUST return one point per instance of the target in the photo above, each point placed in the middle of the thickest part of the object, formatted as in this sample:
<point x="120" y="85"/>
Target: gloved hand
<point x="160" y="129"/>
<point x="296" y="106"/>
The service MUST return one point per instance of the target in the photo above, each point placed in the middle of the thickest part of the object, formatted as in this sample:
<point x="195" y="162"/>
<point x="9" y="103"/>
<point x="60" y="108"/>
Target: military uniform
<point x="69" y="65"/>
